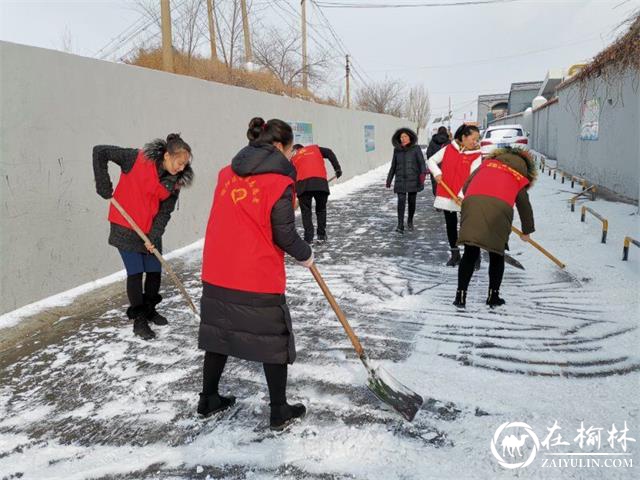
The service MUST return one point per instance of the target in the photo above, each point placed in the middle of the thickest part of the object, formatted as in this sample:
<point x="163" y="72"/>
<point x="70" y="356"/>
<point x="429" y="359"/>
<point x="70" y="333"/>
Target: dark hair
<point x="464" y="131"/>
<point x="270" y="132"/>
<point x="175" y="143"/>
<point x="442" y="131"/>
<point x="297" y="146"/>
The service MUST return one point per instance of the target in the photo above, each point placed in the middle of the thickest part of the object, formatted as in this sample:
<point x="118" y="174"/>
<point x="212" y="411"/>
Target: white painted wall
<point x="55" y="107"/>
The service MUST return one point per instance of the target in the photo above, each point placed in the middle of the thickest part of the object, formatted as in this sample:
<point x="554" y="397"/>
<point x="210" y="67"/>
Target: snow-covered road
<point x="98" y="403"/>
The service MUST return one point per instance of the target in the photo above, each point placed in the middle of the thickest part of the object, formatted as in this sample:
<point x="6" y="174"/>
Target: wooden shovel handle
<point x="164" y="263"/>
<point x="513" y="229"/>
<point x="339" y="313"/>
<point x="540" y="248"/>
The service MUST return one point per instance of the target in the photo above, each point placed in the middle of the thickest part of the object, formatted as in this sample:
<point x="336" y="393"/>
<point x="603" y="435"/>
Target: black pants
<point x="134" y="287"/>
<point x="305" y="200"/>
<point x="402" y="200"/>
<point x="451" y="219"/>
<point x="467" y="264"/>
<point x="275" y="373"/>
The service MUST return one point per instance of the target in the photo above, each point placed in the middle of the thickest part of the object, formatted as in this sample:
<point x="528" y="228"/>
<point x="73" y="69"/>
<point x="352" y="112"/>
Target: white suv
<point x="500" y="136"/>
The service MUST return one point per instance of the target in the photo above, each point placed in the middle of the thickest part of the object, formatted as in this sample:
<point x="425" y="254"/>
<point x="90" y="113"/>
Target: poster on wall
<point x="369" y="138"/>
<point x="302" y="132"/>
<point x="590" y="115"/>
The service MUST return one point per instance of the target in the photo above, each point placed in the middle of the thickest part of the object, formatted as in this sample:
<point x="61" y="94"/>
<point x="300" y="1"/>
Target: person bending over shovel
<point x="243" y="307"/>
<point x="490" y="193"/>
<point x="312" y="184"/>
<point x="148" y="189"/>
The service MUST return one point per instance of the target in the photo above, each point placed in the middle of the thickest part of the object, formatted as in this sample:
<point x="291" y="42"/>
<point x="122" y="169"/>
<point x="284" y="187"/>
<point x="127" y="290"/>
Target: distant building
<point x="521" y="95"/>
<point x="491" y="107"/>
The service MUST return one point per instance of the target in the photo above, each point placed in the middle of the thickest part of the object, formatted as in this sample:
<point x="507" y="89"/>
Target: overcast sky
<point x="457" y="51"/>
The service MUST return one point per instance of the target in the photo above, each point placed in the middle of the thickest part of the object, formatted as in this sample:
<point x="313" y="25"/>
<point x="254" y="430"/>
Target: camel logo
<point x="513" y="445"/>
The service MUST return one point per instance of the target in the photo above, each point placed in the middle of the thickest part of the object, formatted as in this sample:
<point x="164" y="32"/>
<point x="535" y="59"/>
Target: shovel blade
<point x="389" y="390"/>
<point x="512" y="261"/>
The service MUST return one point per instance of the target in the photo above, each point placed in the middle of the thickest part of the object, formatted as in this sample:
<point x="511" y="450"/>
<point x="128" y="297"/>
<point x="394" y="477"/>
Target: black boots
<point x="461" y="299"/>
<point x="476" y="267"/>
<point x="140" y="323"/>
<point x="410" y="224"/>
<point x="150" y="302"/>
<point x="454" y="260"/>
<point x="283" y="415"/>
<point x="210" y="404"/>
<point x="493" y="299"/>
<point x="400" y="227"/>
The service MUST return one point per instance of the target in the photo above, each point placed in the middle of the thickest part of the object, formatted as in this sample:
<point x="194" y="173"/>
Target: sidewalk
<point x="83" y="398"/>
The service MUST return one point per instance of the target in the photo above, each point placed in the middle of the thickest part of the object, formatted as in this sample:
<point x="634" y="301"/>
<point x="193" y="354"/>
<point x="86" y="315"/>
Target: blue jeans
<point x="136" y="262"/>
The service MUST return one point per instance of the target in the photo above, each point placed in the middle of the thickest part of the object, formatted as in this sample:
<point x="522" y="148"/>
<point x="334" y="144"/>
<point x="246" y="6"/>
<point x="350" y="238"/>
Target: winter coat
<point x="408" y="165"/>
<point x="248" y="325"/>
<point x="485" y="220"/>
<point x="438" y="141"/>
<point x="317" y="184"/>
<point x="122" y="237"/>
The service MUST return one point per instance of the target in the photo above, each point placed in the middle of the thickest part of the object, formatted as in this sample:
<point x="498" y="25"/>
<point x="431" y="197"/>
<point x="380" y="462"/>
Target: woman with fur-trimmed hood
<point x="490" y="193"/>
<point x="409" y="169"/>
<point x="148" y="189"/>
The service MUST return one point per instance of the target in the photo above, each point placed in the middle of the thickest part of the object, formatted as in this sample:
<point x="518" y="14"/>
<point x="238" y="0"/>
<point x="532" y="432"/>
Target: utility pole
<point x="305" y="71"/>
<point x="248" y="54"/>
<point x="449" y="113"/>
<point x="167" y="44"/>
<point x="348" y="69"/>
<point x="212" y="30"/>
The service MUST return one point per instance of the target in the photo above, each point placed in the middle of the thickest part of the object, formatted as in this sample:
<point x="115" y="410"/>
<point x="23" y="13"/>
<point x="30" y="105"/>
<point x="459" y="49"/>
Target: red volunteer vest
<point x="456" y="167"/>
<point x="239" y="252"/>
<point x="139" y="192"/>
<point x="495" y="179"/>
<point x="309" y="163"/>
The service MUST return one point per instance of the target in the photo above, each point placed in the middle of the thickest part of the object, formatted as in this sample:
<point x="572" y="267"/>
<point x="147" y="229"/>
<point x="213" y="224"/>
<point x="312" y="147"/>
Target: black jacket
<point x="122" y="237"/>
<point x="316" y="184"/>
<point x="438" y="141"/>
<point x="255" y="326"/>
<point x="407" y="165"/>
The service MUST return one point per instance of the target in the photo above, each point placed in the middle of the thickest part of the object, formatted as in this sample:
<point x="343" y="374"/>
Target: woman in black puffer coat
<point x="409" y="169"/>
<point x="438" y="141"/>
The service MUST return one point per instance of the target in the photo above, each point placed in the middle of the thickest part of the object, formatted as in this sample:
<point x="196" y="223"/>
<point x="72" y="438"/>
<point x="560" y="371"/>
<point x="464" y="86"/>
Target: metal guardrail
<point x="605" y="222"/>
<point x="628" y="241"/>
<point x="572" y="200"/>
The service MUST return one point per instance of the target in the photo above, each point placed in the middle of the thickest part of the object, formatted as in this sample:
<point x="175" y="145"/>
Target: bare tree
<point x="418" y="107"/>
<point x="280" y="53"/>
<point x="382" y="97"/>
<point x="228" y="19"/>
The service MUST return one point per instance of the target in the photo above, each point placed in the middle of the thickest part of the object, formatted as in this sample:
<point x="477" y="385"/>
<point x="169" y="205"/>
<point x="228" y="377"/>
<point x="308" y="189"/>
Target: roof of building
<point x="519" y="86"/>
<point x="493" y="97"/>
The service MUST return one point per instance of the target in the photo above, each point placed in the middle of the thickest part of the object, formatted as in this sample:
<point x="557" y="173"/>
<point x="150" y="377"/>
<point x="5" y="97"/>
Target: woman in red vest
<point x="148" y="190"/>
<point x="453" y="164"/>
<point x="311" y="183"/>
<point x="502" y="180"/>
<point x="243" y="308"/>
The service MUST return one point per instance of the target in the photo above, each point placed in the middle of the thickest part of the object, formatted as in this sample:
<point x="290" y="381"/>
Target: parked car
<point x="500" y="136"/>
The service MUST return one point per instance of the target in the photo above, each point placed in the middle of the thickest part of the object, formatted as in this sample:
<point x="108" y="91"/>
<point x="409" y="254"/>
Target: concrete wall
<point x="56" y="106"/>
<point x="611" y="161"/>
<point x="544" y="135"/>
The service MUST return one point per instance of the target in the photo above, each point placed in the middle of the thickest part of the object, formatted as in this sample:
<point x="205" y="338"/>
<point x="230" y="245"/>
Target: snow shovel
<point x="380" y="382"/>
<point x="164" y="263"/>
<point x="507" y="258"/>
<point x="295" y="206"/>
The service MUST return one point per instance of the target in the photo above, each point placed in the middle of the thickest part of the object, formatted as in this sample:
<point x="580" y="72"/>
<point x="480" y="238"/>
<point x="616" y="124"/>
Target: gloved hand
<point x="388" y="185"/>
<point x="306" y="263"/>
<point x="338" y="173"/>
<point x="422" y="177"/>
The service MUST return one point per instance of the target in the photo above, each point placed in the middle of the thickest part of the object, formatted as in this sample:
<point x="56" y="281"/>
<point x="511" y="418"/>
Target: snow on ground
<point x="99" y="403"/>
